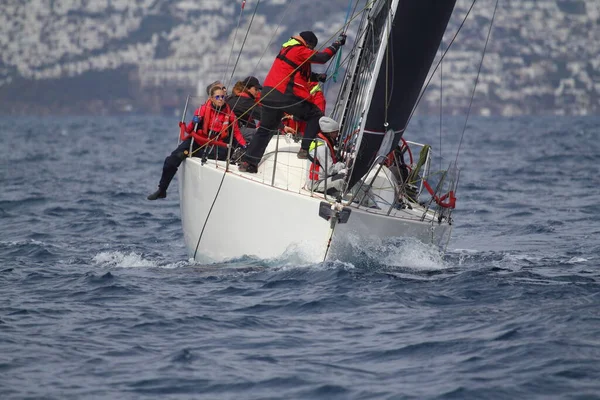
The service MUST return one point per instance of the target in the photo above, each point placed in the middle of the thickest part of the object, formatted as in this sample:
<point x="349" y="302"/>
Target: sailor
<point x="325" y="171"/>
<point x="244" y="103"/>
<point x="296" y="126"/>
<point x="286" y="90"/>
<point x="207" y="133"/>
<point x="216" y="84"/>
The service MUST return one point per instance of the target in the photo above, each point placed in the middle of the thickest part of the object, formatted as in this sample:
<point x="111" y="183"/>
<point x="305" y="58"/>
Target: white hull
<point x="252" y="218"/>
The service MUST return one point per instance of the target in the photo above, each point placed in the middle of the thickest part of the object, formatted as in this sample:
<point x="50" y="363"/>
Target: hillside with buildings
<point x="119" y="56"/>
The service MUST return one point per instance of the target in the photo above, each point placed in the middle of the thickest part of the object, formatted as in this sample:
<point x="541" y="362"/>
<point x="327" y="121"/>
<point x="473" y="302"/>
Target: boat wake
<point x="396" y="253"/>
<point x="112" y="259"/>
<point x="400" y="254"/>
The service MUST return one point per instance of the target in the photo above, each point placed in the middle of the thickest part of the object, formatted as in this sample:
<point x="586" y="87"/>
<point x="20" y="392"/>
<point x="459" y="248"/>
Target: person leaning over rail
<point x="244" y="103"/>
<point x="286" y="90"/>
<point x="325" y="171"/>
<point x="207" y="135"/>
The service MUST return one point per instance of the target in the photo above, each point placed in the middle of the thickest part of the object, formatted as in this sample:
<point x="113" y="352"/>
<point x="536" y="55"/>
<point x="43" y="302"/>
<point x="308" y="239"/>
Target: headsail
<point x="396" y="46"/>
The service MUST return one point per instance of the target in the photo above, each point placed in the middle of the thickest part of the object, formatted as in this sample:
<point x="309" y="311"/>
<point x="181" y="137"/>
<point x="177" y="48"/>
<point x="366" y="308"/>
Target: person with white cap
<point x="325" y="173"/>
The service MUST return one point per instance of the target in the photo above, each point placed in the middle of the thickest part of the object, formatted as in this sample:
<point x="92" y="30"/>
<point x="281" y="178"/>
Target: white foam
<point x="398" y="253"/>
<point x="576" y="260"/>
<point x="414" y="255"/>
<point x="17" y="243"/>
<point x="131" y="260"/>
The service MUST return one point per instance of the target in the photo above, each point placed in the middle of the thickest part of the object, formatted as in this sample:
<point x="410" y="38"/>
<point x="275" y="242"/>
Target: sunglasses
<point x="219" y="97"/>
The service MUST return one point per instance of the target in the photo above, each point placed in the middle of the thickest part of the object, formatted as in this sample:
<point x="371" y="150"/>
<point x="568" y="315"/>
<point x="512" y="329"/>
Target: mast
<point x="399" y="43"/>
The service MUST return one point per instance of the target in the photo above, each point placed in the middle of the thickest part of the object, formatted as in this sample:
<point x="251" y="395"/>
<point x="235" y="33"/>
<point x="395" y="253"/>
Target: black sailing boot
<point x="302" y="154"/>
<point x="159" y="194"/>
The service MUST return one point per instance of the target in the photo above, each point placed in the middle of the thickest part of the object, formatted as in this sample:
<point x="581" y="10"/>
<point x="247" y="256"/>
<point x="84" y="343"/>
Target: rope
<point x="209" y="213"/>
<point x="476" y="80"/>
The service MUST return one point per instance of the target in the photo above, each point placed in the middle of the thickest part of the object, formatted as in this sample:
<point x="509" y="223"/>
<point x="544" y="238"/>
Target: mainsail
<point x="394" y="50"/>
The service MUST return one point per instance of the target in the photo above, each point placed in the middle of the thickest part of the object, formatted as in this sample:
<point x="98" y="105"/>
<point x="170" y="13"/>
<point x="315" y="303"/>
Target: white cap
<point x="328" y="125"/>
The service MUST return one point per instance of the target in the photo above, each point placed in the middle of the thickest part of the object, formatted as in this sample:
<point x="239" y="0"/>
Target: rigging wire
<point x="215" y="137"/>
<point x="339" y="62"/>
<point x="439" y="62"/>
<point x="441" y="106"/>
<point x="273" y="36"/>
<point x="477" y="80"/>
<point x="233" y="43"/>
<point x="304" y="62"/>
<point x="244" y="42"/>
<point x="387" y="73"/>
<point x="338" y="56"/>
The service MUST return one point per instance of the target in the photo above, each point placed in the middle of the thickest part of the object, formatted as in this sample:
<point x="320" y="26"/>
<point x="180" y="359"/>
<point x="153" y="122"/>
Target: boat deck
<point x="282" y="169"/>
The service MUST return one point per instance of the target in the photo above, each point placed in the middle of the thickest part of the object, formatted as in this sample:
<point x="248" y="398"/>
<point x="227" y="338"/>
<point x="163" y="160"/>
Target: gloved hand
<point x="322" y="77"/>
<point x="196" y="119"/>
<point x="340" y="41"/>
<point x="289" y="129"/>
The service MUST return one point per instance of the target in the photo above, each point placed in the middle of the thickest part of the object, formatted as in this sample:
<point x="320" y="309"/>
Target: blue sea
<point x="98" y="299"/>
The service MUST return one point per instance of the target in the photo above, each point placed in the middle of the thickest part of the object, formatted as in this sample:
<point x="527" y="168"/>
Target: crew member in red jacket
<point x="298" y="126"/>
<point x="286" y="90"/>
<point x="207" y="133"/>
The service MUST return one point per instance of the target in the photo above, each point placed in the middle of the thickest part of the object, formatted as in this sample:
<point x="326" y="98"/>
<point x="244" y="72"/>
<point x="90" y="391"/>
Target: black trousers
<point x="274" y="105"/>
<point x="173" y="161"/>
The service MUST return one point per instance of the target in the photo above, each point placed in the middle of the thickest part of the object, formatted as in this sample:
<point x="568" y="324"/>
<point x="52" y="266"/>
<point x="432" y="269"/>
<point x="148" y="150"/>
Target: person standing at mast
<point x="286" y="90"/>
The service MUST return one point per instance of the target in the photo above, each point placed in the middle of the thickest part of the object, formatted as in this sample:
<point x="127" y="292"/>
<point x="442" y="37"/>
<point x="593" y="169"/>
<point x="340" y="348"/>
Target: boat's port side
<point x="227" y="215"/>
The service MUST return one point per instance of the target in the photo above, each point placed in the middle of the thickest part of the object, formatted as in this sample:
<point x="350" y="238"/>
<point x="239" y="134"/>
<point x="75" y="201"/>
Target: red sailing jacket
<point x="317" y="98"/>
<point x="283" y="75"/>
<point x="215" y="122"/>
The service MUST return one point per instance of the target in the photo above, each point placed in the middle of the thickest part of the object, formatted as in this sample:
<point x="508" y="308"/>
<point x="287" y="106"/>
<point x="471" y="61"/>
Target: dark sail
<point x="415" y="37"/>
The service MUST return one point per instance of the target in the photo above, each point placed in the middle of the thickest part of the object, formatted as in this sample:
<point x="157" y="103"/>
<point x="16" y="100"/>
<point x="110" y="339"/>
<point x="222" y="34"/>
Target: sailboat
<point x="227" y="214"/>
